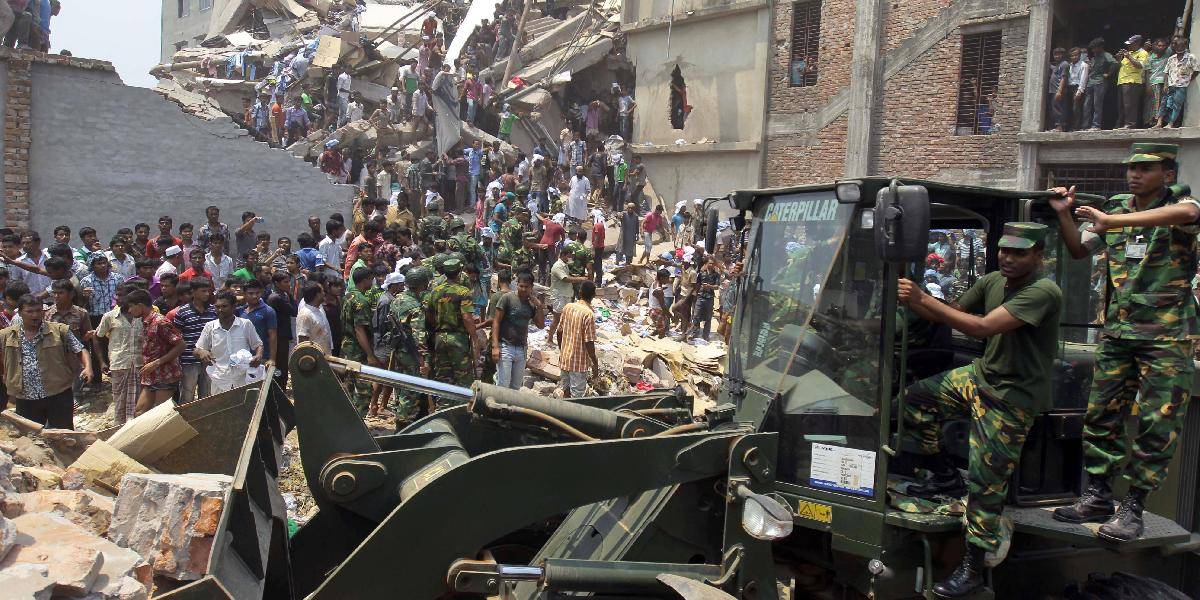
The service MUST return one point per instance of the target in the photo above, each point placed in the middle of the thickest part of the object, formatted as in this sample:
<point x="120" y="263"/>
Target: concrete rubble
<point x="282" y="48"/>
<point x="65" y="532"/>
<point x="170" y="519"/>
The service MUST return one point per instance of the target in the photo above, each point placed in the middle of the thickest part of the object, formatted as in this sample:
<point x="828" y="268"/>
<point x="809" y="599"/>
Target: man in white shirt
<point x="173" y="257"/>
<point x="331" y="246"/>
<point x="420" y="104"/>
<point x="581" y="188"/>
<point x="354" y="110"/>
<point x="216" y="261"/>
<point x="31" y="244"/>
<point x="311" y="323"/>
<point x="223" y="338"/>
<point x="123" y="264"/>
<point x="343" y="94"/>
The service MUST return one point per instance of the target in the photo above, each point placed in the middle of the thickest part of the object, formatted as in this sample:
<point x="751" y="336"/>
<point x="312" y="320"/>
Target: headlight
<point x="848" y="192"/>
<point x="764" y="518"/>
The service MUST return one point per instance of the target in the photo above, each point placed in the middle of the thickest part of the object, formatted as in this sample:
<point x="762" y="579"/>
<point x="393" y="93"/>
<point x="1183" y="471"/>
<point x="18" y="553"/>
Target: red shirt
<point x="158" y="337"/>
<point x="152" y="250"/>
<point x="190" y="273"/>
<point x="598" y="235"/>
<point x="652" y="221"/>
<point x="552" y="233"/>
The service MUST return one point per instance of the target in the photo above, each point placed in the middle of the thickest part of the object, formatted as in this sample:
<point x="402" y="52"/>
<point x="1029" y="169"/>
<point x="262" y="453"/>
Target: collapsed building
<point x="285" y="48"/>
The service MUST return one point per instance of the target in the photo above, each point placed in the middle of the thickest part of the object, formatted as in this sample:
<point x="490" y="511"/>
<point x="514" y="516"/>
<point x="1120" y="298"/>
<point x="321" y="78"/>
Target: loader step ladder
<point x="1160" y="531"/>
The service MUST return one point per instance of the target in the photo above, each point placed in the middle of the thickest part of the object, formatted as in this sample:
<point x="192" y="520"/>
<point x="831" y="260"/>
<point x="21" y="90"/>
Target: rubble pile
<point x="82" y="516"/>
<point x="290" y="49"/>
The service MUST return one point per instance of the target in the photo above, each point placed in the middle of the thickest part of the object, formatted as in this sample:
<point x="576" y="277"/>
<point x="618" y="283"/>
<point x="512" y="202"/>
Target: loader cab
<point x="820" y="350"/>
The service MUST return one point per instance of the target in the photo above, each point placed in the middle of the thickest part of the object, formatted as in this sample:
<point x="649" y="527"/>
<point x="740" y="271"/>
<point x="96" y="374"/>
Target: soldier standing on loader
<point x="1144" y="361"/>
<point x="450" y="314"/>
<point x="1001" y="392"/>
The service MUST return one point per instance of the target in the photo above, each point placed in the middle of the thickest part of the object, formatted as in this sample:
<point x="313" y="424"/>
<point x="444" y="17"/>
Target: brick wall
<point x="81" y="148"/>
<point x="915" y="109"/>
<point x="916" y="116"/>
<point x="833" y="61"/>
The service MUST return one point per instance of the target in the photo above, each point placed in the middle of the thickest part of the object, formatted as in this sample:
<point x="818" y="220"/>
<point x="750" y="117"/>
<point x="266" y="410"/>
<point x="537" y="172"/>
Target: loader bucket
<point x="241" y="435"/>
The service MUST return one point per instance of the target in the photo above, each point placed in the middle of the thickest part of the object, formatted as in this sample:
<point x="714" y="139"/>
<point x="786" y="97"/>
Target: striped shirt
<point x="578" y="326"/>
<point x="191" y="324"/>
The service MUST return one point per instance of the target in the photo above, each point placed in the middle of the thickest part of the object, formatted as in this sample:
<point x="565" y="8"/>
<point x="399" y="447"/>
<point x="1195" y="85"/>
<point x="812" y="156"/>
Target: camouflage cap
<point x="417" y="277"/>
<point x="1023" y="235"/>
<point x="452" y="265"/>
<point x="435" y="204"/>
<point x="1144" y="153"/>
<point x="456" y="223"/>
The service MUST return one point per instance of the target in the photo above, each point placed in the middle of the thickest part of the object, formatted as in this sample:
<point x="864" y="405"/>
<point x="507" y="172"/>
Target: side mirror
<point x="902" y="223"/>
<point x="711" y="218"/>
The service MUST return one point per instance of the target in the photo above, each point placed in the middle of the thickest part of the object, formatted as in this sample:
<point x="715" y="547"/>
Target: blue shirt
<point x="501" y="210"/>
<point x="473" y="157"/>
<point x="44" y="16"/>
<point x="263" y="318"/>
<point x="310" y="259"/>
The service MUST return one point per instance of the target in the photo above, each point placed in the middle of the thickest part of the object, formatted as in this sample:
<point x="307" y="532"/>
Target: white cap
<point x="391" y="279"/>
<point x="173" y="250"/>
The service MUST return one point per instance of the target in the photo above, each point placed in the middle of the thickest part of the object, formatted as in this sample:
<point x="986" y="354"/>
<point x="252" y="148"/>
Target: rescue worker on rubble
<point x="409" y="343"/>
<point x="1016" y="311"/>
<point x="450" y="317"/>
<point x="1144" y="360"/>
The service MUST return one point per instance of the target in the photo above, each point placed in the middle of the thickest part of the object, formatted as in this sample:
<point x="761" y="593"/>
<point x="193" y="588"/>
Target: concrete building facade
<point x="903" y="87"/>
<point x="127" y="155"/>
<point x="185" y="23"/>
<point x="711" y="56"/>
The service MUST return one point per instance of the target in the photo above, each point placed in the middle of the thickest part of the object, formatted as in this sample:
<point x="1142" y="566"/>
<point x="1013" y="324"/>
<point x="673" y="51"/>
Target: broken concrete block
<point x="27" y="581"/>
<point x="32" y="452"/>
<point x="170" y="519"/>
<point x="104" y="465"/>
<point x="67" y="550"/>
<point x="29" y="479"/>
<point x="85" y="508"/>
<point x="8" y="537"/>
<point x="6" y="467"/>
<point x="125" y="588"/>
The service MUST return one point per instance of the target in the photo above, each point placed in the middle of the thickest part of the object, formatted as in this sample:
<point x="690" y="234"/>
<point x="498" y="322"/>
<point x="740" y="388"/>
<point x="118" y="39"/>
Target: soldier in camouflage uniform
<point x="431" y="228"/>
<point x="521" y="258"/>
<point x="357" y="345"/>
<point x="1144" y="360"/>
<point x="409" y="342"/>
<point x="580" y="262"/>
<point x="1017" y="311"/>
<point x="450" y="317"/>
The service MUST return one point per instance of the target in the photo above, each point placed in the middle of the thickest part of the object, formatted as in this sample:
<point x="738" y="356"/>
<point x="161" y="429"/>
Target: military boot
<point x="945" y="479"/>
<point x="967" y="578"/>
<point x="1095" y="504"/>
<point x="1127" y="523"/>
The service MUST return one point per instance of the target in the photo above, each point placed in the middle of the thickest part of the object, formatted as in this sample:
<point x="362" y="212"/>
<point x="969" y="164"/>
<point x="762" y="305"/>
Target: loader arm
<point x="526" y="484"/>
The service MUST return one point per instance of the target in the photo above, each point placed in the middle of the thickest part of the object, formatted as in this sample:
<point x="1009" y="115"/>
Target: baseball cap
<point x="1023" y="235"/>
<point x="1145" y="152"/>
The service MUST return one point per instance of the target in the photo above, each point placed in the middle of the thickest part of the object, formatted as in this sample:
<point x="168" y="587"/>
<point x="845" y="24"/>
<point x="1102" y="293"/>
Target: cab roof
<point x="744" y="199"/>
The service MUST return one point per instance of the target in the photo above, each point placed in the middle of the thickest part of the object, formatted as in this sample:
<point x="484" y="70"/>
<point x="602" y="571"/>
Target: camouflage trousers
<point x="452" y="361"/>
<point x="404" y="403"/>
<point x="360" y="393"/>
<point x="1151" y="380"/>
<point x="998" y="432"/>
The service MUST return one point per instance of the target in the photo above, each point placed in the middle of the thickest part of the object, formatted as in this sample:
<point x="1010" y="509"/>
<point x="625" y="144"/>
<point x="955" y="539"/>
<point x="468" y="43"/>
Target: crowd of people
<point x="25" y="24"/>
<point x="196" y="309"/>
<point x="1149" y="76"/>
